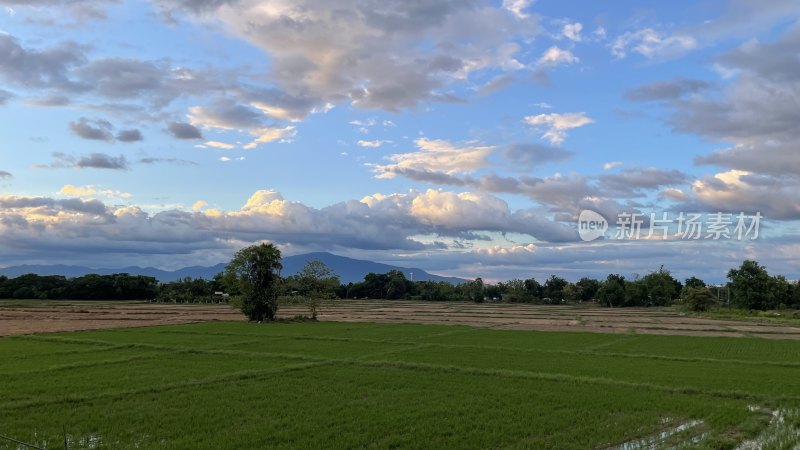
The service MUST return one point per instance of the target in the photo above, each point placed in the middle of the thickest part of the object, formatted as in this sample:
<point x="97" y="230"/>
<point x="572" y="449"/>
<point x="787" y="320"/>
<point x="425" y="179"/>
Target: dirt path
<point x="89" y="316"/>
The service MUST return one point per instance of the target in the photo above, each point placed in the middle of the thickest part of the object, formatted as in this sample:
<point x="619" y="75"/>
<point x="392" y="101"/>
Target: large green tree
<point x="752" y="287"/>
<point x="255" y="272"/>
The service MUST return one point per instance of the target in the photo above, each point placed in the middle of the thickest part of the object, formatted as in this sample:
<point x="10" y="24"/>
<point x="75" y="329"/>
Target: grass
<point x="345" y="385"/>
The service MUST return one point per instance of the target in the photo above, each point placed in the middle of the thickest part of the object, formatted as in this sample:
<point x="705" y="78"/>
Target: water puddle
<point x="658" y="440"/>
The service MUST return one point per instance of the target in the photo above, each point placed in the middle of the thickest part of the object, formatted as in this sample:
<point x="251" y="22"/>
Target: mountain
<point x="354" y="270"/>
<point x="348" y="269"/>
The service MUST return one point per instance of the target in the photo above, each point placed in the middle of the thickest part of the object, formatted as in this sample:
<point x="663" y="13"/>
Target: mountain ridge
<point x="348" y="269"/>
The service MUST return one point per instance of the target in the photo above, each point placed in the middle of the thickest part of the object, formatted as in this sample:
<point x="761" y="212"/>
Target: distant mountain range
<point x="348" y="269"/>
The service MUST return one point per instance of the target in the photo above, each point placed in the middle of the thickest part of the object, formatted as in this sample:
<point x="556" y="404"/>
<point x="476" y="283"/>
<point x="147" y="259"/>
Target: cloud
<point x="199" y="205"/>
<point x="435" y="156"/>
<point x="528" y="156"/>
<point x="132" y="135"/>
<point x="266" y="135"/>
<point x="635" y="182"/>
<point x="736" y="191"/>
<point x="225" y="115"/>
<point x="389" y="56"/>
<point x="667" y="90"/>
<point x="5" y="175"/>
<point x="652" y="44"/>
<point x="78" y="191"/>
<point x="220" y="145"/>
<point x="90" y="161"/>
<point x="90" y="191"/>
<point x="611" y="164"/>
<point x="557" y="125"/>
<point x="97" y="129"/>
<point x="102" y="161"/>
<point x="5" y="96"/>
<point x="38" y="68"/>
<point x="572" y="31"/>
<point x="555" y="56"/>
<point x="180" y="130"/>
<point x="371" y="144"/>
<point x="518" y="7"/>
<point x="176" y="161"/>
<point x="46" y="11"/>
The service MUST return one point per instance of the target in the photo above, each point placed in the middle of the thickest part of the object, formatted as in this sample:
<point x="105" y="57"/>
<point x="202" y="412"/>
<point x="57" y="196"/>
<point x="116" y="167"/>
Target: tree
<point x="694" y="282"/>
<point x="317" y="281"/>
<point x="554" y="289"/>
<point x="612" y="292"/>
<point x="476" y="290"/>
<point x="751" y="286"/>
<point x="255" y="272"/>
<point x="587" y="288"/>
<point x="698" y="298"/>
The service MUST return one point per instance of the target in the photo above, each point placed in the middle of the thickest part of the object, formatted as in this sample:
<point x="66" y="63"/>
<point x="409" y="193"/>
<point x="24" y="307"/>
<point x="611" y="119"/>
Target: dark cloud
<point x="635" y="182"/>
<point x="528" y="156"/>
<point x="96" y="129"/>
<point x="176" y="161"/>
<point x="5" y="175"/>
<point x="226" y="114"/>
<point x="667" y="90"/>
<point x="184" y="131"/>
<point x="102" y="161"/>
<point x="90" y="161"/>
<point x="47" y="68"/>
<point x="54" y="100"/>
<point x="132" y="135"/>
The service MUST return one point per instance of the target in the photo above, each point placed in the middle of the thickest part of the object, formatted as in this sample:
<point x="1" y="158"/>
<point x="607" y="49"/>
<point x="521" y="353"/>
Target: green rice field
<point x="366" y="385"/>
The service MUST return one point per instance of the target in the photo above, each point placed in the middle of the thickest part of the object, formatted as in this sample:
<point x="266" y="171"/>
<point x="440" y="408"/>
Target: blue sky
<point x="463" y="137"/>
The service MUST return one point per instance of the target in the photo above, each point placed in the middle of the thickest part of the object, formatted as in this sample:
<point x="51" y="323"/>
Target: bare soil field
<point x="75" y="316"/>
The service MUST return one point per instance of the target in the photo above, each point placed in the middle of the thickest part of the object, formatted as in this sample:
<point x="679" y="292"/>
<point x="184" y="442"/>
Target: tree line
<point x="254" y="274"/>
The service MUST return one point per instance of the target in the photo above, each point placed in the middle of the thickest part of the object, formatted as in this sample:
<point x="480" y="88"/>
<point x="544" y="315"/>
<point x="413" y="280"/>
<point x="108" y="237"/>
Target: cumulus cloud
<point x="735" y="191"/>
<point x="180" y="130"/>
<point x="518" y="7"/>
<point x="391" y="55"/>
<point x="555" y="56"/>
<point x="572" y="31"/>
<point x="557" y="125"/>
<point x="652" y="44"/>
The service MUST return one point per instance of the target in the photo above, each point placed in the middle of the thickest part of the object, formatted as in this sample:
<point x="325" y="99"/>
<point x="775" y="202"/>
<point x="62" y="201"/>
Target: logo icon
<point x="591" y="225"/>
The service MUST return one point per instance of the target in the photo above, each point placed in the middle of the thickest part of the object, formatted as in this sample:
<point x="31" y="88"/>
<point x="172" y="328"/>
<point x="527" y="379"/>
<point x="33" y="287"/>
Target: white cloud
<point x="91" y="191"/>
<point x="266" y="135"/>
<point x="217" y="144"/>
<point x="199" y="205"/>
<point x="371" y="144"/>
<point x="518" y="7"/>
<point x="557" y="125"/>
<point x="543" y="105"/>
<point x="611" y="164"/>
<point x="572" y="31"/>
<point x="651" y="44"/>
<point x="555" y="56"/>
<point x="435" y="156"/>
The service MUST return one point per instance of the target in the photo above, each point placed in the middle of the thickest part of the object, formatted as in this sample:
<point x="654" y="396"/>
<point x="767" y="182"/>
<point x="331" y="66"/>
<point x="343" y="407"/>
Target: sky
<point x="463" y="137"/>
